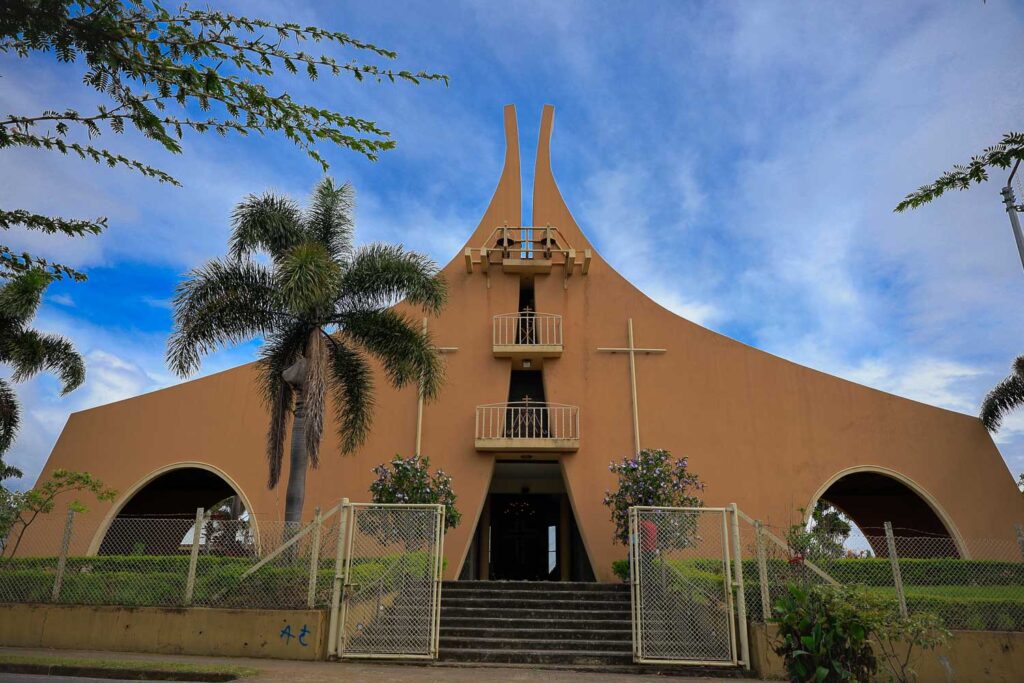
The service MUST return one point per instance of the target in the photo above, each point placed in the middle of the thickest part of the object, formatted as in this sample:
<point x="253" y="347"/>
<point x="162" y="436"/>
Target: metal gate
<point x="682" y="587"/>
<point x="391" y="599"/>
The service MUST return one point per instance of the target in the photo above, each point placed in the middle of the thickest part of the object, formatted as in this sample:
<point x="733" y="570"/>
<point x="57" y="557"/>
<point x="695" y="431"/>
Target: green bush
<point x="621" y="569"/>
<point x="822" y="635"/>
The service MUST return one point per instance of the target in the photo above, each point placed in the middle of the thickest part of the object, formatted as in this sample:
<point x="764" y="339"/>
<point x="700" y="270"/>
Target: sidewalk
<point x="324" y="672"/>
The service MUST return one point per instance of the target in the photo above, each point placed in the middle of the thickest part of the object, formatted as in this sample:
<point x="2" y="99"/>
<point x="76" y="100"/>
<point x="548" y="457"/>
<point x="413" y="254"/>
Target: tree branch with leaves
<point x="167" y="72"/>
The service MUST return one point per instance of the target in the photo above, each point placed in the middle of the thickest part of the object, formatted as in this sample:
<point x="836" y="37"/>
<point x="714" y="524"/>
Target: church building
<point x="555" y="367"/>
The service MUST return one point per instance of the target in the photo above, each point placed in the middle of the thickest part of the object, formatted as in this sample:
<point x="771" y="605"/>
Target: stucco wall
<point x="760" y="431"/>
<point x="194" y="631"/>
<point x="969" y="657"/>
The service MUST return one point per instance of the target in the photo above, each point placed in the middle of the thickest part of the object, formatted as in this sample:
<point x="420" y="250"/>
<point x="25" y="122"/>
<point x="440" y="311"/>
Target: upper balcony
<point x="527" y="335"/>
<point x="527" y="426"/>
<point x="527" y="250"/>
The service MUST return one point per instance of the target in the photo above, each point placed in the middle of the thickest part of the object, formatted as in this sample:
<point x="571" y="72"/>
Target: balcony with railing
<point x="527" y="335"/>
<point x="528" y="249"/>
<point x="527" y="426"/>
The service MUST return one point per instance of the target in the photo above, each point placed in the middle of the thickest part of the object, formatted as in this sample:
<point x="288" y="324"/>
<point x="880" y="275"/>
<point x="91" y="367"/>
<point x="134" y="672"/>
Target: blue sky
<point x="738" y="161"/>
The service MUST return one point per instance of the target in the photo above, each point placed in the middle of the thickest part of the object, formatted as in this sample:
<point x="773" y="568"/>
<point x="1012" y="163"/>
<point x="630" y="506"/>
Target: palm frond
<point x="308" y="279"/>
<point x="21" y="295"/>
<point x="314" y="394"/>
<point x="351" y="384"/>
<point x="10" y="415"/>
<point x="278" y="353"/>
<point x="31" y="352"/>
<point x="267" y="223"/>
<point x="381" y="275"/>
<point x="329" y="220"/>
<point x="406" y="352"/>
<point x="1003" y="398"/>
<point x="222" y="303"/>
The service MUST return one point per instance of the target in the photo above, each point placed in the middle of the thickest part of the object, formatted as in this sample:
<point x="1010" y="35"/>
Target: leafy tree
<point x="28" y="352"/>
<point x="824" y="536"/>
<point x="1006" y="396"/>
<point x="20" y="510"/>
<point x="408" y="480"/>
<point x="321" y="306"/>
<point x="168" y="72"/>
<point x="650" y="478"/>
<point x="1006" y="153"/>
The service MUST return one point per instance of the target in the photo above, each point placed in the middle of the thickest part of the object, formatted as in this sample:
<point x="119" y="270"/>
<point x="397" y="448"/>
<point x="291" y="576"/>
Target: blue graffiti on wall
<point x="287" y="634"/>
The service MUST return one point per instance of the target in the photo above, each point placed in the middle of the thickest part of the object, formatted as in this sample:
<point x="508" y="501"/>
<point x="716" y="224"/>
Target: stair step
<point x="578" y="657"/>
<point x="541" y="586"/>
<point x="540" y="603"/>
<point x="494" y="594"/>
<point x="493" y="622"/>
<point x="537" y="644"/>
<point x="521" y="634"/>
<point x="551" y="614"/>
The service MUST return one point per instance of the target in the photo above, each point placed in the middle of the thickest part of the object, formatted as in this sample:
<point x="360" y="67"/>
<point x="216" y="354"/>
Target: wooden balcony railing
<point x="528" y="329"/>
<point x="527" y="426"/>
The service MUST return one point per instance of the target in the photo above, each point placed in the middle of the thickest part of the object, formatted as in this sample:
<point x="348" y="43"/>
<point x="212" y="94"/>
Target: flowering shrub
<point x="650" y="478"/>
<point x="408" y="480"/>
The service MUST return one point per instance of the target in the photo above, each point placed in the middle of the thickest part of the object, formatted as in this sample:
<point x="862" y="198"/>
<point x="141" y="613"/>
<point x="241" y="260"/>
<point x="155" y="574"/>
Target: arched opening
<point x="870" y="498"/>
<point x="158" y="518"/>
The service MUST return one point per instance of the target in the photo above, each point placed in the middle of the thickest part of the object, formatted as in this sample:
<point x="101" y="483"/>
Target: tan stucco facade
<point x="761" y="431"/>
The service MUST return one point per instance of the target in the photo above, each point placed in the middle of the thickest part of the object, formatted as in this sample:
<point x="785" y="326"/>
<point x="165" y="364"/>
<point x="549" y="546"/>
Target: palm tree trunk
<point x="296" y="492"/>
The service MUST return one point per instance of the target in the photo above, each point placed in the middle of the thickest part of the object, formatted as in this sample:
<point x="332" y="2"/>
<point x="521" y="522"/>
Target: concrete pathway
<point x="324" y="672"/>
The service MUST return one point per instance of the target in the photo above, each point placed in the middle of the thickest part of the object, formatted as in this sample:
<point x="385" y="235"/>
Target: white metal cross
<point x="419" y="399"/>
<point x="632" y="350"/>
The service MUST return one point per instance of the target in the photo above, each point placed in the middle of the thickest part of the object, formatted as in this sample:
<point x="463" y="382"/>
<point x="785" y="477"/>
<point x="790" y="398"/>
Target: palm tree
<point x="1004" y="397"/>
<point x="322" y="308"/>
<point x="28" y="352"/>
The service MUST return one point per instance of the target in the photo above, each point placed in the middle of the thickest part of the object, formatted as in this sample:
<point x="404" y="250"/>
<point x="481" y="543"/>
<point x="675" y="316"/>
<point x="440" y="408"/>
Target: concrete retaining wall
<point x="970" y="657"/>
<point x="280" y="634"/>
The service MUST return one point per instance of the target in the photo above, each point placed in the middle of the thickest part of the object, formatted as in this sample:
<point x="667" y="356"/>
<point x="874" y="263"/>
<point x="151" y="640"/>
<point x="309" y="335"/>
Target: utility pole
<point x="1012" y="209"/>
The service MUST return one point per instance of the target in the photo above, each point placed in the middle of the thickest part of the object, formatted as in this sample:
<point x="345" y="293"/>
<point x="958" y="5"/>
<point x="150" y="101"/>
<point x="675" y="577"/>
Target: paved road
<point x="327" y="672"/>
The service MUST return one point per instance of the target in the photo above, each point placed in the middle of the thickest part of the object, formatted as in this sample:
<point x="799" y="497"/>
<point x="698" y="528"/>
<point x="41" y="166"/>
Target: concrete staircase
<point x="535" y="622"/>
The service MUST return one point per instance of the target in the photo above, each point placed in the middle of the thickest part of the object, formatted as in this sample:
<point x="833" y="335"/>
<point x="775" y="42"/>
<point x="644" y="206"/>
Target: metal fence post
<point x="339" y="575"/>
<point x="190" y="582"/>
<point x="762" y="573"/>
<point x="314" y="560"/>
<point x="741" y="594"/>
<point x="1020" y="537"/>
<point x="894" y="562"/>
<point x="62" y="561"/>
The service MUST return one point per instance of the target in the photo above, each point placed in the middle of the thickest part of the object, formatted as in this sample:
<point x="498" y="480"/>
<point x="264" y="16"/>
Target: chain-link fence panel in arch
<point x="976" y="586"/>
<point x="392" y="581"/>
<point x="681" y="585"/>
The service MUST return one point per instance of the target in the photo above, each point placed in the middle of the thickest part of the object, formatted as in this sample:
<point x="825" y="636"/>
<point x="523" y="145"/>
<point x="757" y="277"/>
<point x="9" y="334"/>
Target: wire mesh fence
<point x="393" y="589"/>
<point x="165" y="562"/>
<point x="682" y="602"/>
<point x="976" y="584"/>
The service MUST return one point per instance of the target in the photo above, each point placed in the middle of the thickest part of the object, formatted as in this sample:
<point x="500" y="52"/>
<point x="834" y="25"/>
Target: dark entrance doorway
<point x="527" y="530"/>
<point x="524" y="537"/>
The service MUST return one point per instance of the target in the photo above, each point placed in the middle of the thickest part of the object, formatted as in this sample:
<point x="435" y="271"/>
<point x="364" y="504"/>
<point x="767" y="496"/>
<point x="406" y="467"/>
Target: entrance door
<point x="524" y="536"/>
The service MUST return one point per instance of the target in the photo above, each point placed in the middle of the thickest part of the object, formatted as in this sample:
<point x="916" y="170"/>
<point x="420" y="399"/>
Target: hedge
<point x="160" y="580"/>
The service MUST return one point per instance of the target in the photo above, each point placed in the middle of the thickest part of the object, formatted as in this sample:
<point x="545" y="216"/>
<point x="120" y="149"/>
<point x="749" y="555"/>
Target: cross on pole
<point x="419" y="399"/>
<point x="632" y="350"/>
